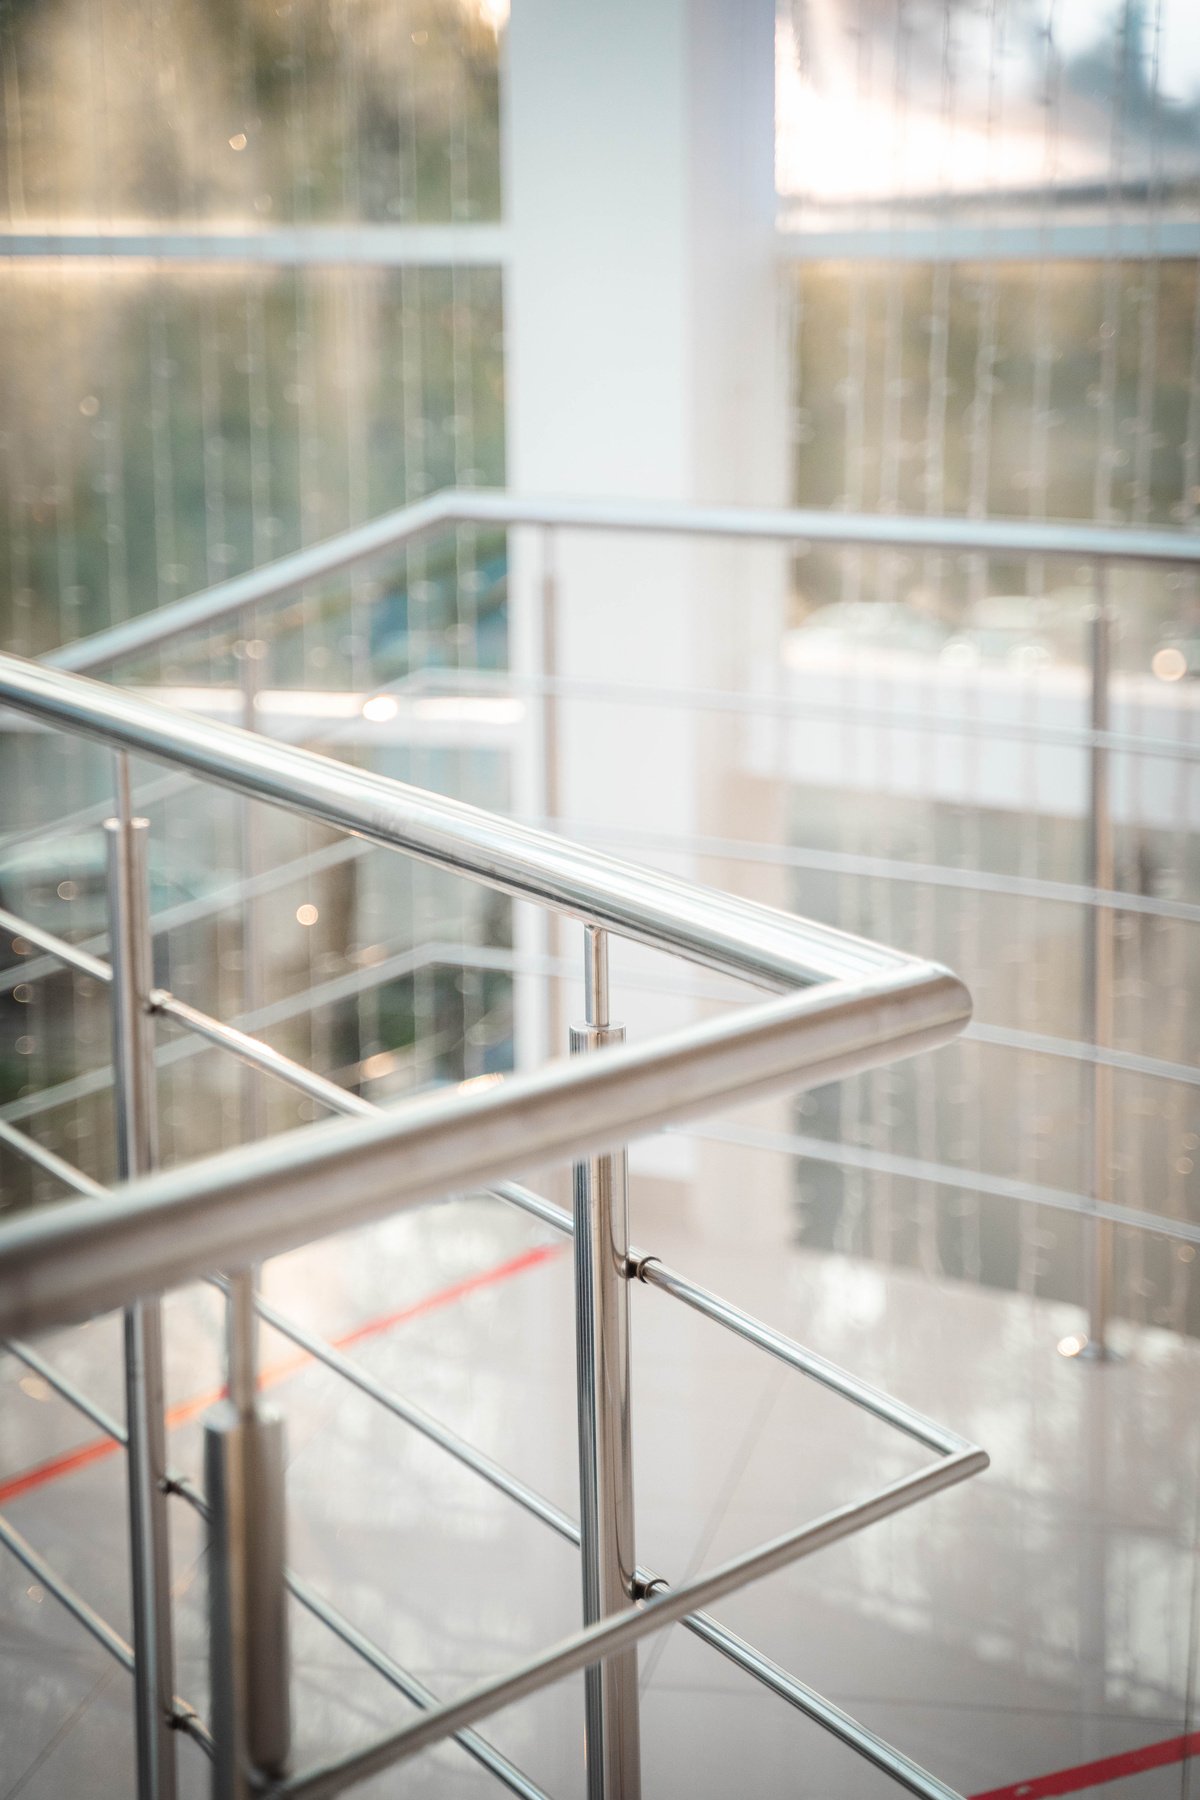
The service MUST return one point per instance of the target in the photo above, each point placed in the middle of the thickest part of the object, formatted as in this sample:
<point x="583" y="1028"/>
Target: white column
<point x="645" y="360"/>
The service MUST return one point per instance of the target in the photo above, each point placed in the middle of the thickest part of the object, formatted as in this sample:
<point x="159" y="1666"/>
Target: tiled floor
<point x="1040" y="1617"/>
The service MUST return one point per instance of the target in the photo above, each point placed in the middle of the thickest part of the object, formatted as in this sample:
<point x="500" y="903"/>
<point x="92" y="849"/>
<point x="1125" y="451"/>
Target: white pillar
<point x="645" y="360"/>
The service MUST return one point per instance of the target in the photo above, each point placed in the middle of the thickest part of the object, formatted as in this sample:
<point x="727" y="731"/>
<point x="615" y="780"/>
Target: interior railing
<point x="289" y="575"/>
<point x="840" y="1005"/>
<point x="244" y="602"/>
<point x="221" y="1214"/>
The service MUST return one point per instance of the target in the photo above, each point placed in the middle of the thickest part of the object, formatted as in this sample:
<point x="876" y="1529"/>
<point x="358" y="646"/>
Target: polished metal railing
<point x="840" y="1005"/>
<point x="132" y="1256"/>
<point x="290" y="575"/>
<point x="243" y="600"/>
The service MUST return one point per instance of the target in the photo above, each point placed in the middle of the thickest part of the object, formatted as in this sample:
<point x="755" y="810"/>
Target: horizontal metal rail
<point x="926" y="1431"/>
<point x="779" y="1681"/>
<point x="786" y="1686"/>
<point x="1040" y="1043"/>
<point x="914" y="1168"/>
<point x="655" y="1273"/>
<point x="210" y="906"/>
<point x="56" y="947"/>
<point x="944" y="875"/>
<point x="338" y="1099"/>
<point x="393" y="531"/>
<point x="409" y="962"/>
<point x="183" y="1717"/>
<point x="814" y="1706"/>
<point x="913" y="1424"/>
<point x="465" y="243"/>
<point x="623" y="1630"/>
<point x="784" y="706"/>
<point x="770" y="949"/>
<point x="253" y="1051"/>
<point x="870" y="1004"/>
<point x="370" y="1652"/>
<point x="66" y="1389"/>
<point x="307" y="1596"/>
<point x="865" y="1743"/>
<point x="421" y="1421"/>
<point x="186" y="1719"/>
<point x="846" y="1005"/>
<point x="242" y="1206"/>
<point x="646" y="1267"/>
<point x="65" y="1594"/>
<point x="263" y="1018"/>
<point x="485" y="1754"/>
<point x="798" y="1694"/>
<point x="820" y="861"/>
<point x="53" y="1164"/>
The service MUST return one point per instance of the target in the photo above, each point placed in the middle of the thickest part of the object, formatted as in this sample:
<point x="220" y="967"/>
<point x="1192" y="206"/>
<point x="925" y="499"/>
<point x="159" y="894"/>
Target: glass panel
<point x="1054" y="390"/>
<point x="371" y="968"/>
<point x="890" y="115"/>
<point x="247" y="115"/>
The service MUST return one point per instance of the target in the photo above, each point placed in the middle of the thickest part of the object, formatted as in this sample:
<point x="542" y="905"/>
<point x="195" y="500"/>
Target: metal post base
<point x="247" y="1599"/>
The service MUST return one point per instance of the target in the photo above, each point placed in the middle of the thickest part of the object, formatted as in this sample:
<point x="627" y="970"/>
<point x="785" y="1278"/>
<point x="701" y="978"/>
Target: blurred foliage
<point x="164" y="425"/>
<point x="1065" y="393"/>
<point x="252" y="111"/>
<point x="163" y="429"/>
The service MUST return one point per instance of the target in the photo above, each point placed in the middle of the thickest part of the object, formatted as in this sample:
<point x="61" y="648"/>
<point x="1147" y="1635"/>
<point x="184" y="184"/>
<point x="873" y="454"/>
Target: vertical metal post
<point x="244" y="1462"/>
<point x="137" y="1148"/>
<point x="605" y="1448"/>
<point x="247" y="1599"/>
<point x="549" y="662"/>
<point x="241" y="1323"/>
<point x="551" y="783"/>
<point x="1099" y="978"/>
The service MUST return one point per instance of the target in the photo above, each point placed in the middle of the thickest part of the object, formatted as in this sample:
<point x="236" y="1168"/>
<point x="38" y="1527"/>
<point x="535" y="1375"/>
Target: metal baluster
<point x="241" y="1325"/>
<point x="137" y="1152"/>
<point x="601" y="1249"/>
<point x="247" y="1597"/>
<point x="244" y="1462"/>
<point x="1099" y="978"/>
<point x="551" y="762"/>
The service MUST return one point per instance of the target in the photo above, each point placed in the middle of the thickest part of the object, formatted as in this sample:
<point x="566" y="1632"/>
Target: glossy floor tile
<point x="1041" y="1617"/>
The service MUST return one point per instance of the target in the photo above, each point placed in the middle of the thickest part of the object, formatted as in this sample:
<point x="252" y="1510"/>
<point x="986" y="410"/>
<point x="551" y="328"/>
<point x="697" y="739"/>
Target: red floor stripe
<point x="1095" y="1774"/>
<point x="42" y="1474"/>
<point x="1044" y="1787"/>
<point x="470" y="1284"/>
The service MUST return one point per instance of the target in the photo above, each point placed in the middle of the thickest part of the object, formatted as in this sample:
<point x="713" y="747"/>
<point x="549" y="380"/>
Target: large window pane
<point x="248" y="112"/>
<point x="160" y="430"/>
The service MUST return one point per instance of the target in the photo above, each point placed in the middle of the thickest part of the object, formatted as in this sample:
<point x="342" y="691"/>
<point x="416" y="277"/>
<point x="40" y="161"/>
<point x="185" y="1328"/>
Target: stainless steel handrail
<point x="1097" y="546"/>
<point x="751" y="1661"/>
<point x="846" y="1005"/>
<point x="771" y="949"/>
<point x="623" y="1630"/>
<point x="238" y="1039"/>
<point x="872" y="1004"/>
<point x="240" y="1206"/>
<point x="455" y="506"/>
